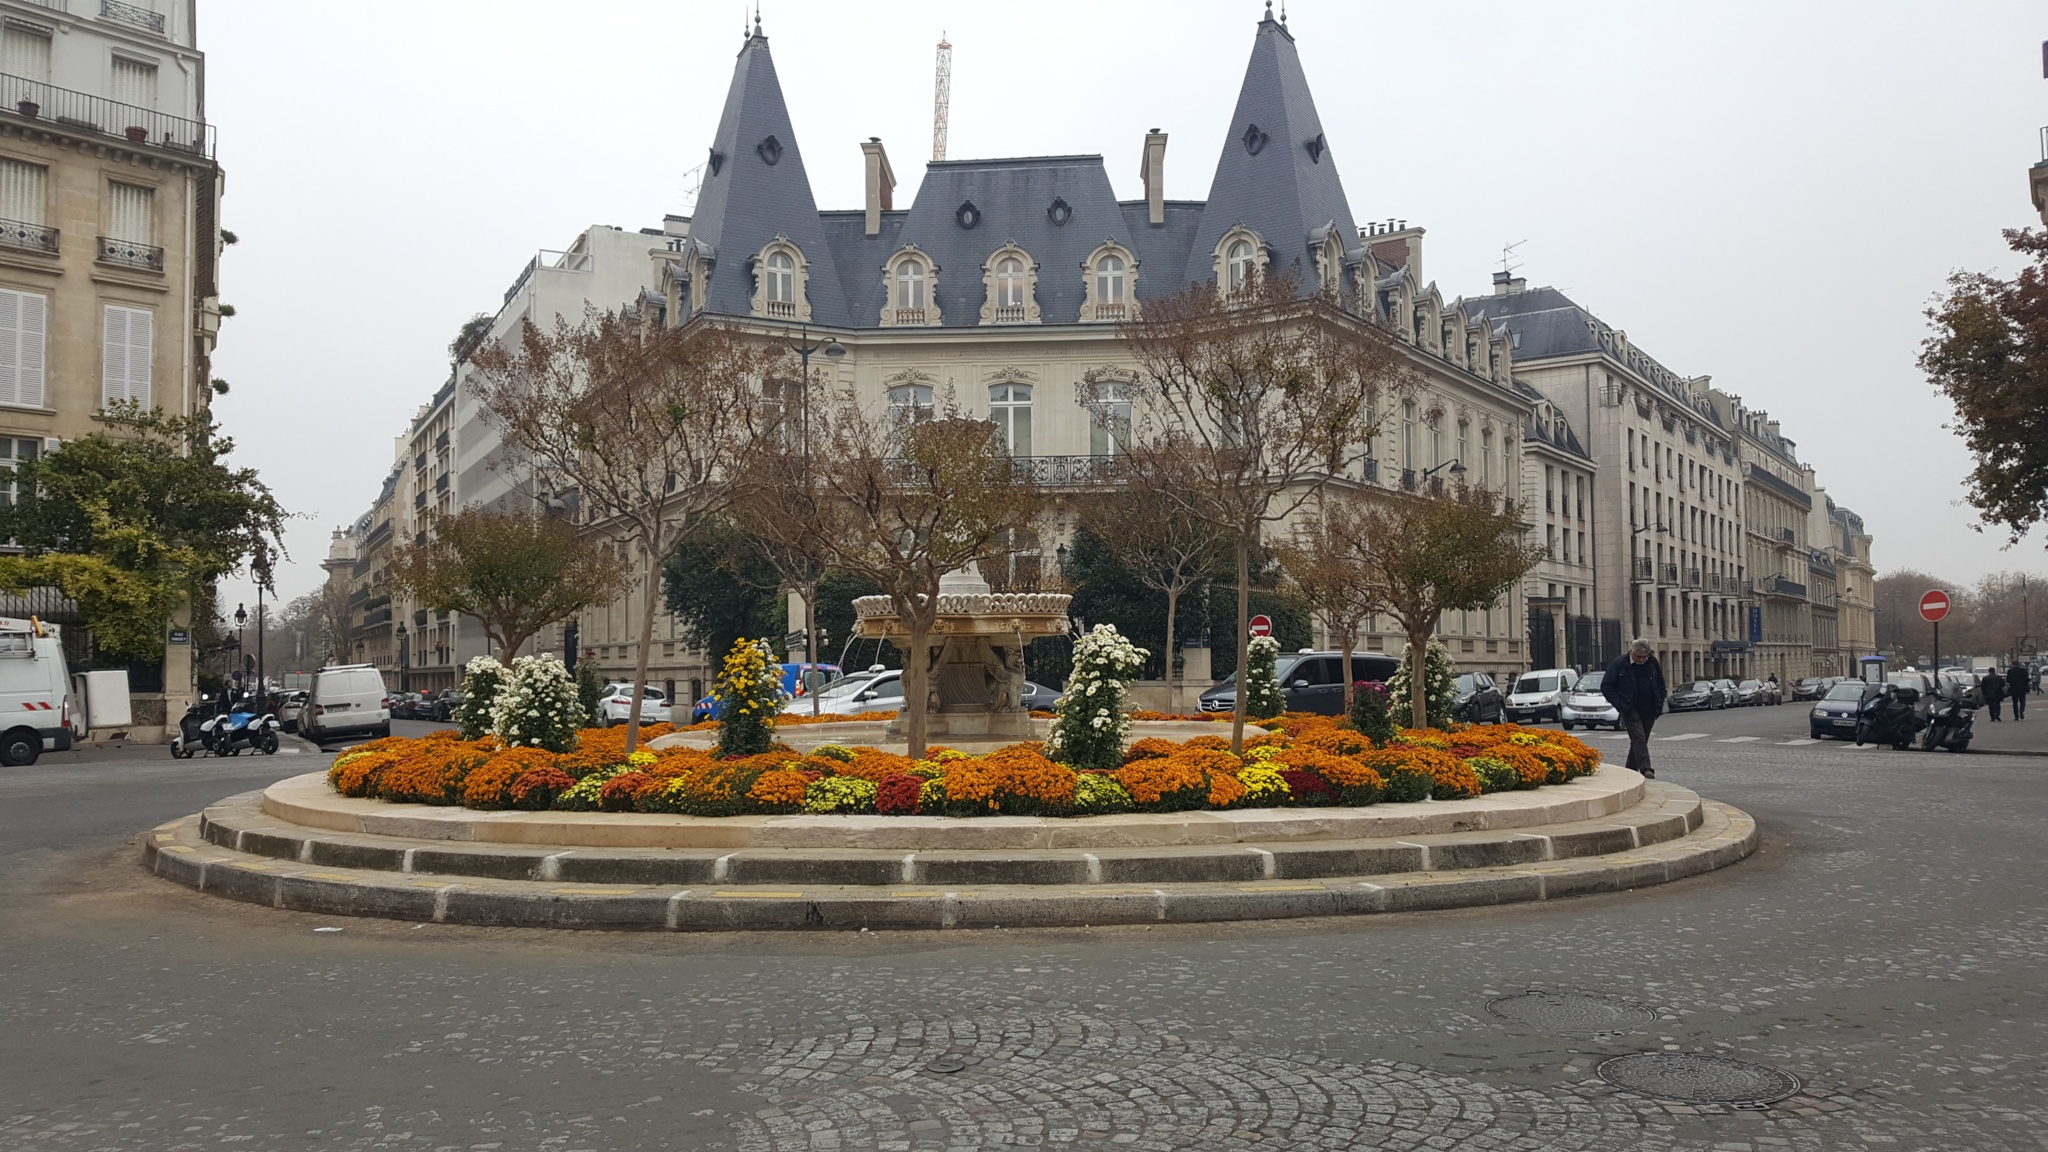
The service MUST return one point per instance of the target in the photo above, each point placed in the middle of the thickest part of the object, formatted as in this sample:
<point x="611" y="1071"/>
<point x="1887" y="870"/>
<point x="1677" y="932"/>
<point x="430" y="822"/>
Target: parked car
<point x="1834" y="715"/>
<point x="1749" y="693"/>
<point x="1311" y="681"/>
<point x="1540" y="695"/>
<point x="290" y="706"/>
<point x="1039" y="698"/>
<point x="1585" y="705"/>
<point x="1813" y="687"/>
<point x="1698" y="696"/>
<point x="1729" y="696"/>
<point x="445" y="705"/>
<point x="1479" y="699"/>
<point x="875" y="692"/>
<point x="617" y="704"/>
<point x="345" y="700"/>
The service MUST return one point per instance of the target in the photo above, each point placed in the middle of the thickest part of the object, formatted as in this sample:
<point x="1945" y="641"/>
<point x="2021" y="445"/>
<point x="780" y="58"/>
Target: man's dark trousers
<point x="1639" y="727"/>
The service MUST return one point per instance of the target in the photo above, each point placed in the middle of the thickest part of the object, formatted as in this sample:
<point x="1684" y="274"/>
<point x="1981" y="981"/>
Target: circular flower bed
<point x="1296" y="761"/>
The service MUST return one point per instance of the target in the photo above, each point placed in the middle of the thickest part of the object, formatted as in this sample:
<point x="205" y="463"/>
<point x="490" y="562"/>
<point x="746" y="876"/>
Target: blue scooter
<point x="241" y="727"/>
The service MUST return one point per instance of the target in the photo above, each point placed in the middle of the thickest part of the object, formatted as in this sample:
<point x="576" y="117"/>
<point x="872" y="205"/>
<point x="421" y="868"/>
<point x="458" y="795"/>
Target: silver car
<point x="1585" y="705"/>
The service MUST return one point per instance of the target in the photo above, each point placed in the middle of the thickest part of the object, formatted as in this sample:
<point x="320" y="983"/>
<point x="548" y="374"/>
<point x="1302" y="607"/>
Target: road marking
<point x="1683" y="736"/>
<point x="1796" y="743"/>
<point x="1615" y="736"/>
<point x="1738" y="739"/>
<point x="929" y="895"/>
<point x="1280" y="888"/>
<point x="737" y="895"/>
<point x="619" y="891"/>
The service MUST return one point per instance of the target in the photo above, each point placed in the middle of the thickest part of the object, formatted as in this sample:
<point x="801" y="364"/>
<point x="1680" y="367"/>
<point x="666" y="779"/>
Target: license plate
<point x="1845" y="723"/>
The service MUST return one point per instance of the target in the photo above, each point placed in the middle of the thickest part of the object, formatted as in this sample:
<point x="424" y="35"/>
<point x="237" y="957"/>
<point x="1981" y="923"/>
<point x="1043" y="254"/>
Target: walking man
<point x="1634" y="684"/>
<point x="1994" y="691"/>
<point x="2016" y="687"/>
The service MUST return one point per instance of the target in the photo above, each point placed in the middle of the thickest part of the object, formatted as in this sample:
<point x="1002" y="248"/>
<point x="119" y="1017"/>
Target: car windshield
<point x="1468" y="682"/>
<point x="841" y="689"/>
<point x="1703" y="686"/>
<point x="1590" y="682"/>
<point x="1752" y="684"/>
<point x="1846" y="690"/>
<point x="1536" y="684"/>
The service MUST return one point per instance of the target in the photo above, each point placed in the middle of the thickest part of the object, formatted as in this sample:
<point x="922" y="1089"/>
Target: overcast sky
<point x="1765" y="193"/>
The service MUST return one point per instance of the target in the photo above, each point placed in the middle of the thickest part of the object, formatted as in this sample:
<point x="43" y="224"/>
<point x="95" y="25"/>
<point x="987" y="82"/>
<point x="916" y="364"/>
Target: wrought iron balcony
<point x="1372" y="470"/>
<point x="34" y="237"/>
<point x="129" y="254"/>
<point x="1780" y="586"/>
<point x="1667" y="575"/>
<point x="1742" y="588"/>
<point x="441" y="482"/>
<point x="1713" y="581"/>
<point x="66" y="110"/>
<point x="1692" y="578"/>
<point x="1407" y="479"/>
<point x="134" y="14"/>
<point x="1643" y="570"/>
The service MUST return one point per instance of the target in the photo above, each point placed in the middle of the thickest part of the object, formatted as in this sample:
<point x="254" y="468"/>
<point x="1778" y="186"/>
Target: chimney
<point x="673" y="225"/>
<point x="881" y="183"/>
<point x="1503" y="283"/>
<point x="1396" y="243"/>
<point x="1153" y="170"/>
<point x="1773" y="427"/>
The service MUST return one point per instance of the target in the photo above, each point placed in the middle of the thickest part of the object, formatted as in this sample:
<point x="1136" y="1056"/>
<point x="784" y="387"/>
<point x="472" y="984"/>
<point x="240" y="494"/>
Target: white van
<point x="1540" y="695"/>
<point x="35" y="688"/>
<point x="345" y="700"/>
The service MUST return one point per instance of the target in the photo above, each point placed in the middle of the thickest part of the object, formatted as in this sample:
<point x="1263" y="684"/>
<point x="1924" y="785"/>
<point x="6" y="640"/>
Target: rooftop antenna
<point x="1507" y="253"/>
<point x="942" y="97"/>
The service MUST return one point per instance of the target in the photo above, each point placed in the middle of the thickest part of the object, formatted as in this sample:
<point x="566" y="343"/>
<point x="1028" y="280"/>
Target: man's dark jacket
<point x="2017" y="681"/>
<point x="1634" y="689"/>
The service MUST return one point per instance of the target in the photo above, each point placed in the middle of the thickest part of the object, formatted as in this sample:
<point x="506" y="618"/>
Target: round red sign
<point x="1934" y="606"/>
<point x="1262" y="626"/>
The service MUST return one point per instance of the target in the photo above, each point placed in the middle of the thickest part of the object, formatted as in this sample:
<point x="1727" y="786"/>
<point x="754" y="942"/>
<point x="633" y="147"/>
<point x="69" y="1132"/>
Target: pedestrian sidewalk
<point x="2019" y="737"/>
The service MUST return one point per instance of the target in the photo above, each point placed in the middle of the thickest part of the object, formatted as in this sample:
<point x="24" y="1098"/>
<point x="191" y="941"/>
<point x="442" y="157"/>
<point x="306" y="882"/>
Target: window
<point x="134" y="82"/>
<point x="781" y="279"/>
<point x="131" y="213"/>
<point x="22" y="317"/>
<point x="1109" y="425"/>
<point x="1486" y="457"/>
<point x="126" y="353"/>
<point x="12" y="454"/>
<point x="908" y="402"/>
<point x="1009" y="280"/>
<point x="1408" y="435"/>
<point x="1010" y="407"/>
<point x="22" y="192"/>
<point x="1239" y="263"/>
<point x="1109" y="282"/>
<point x="1109" y="279"/>
<point x="1010" y="283"/>
<point x="1464" y="443"/>
<point x="25" y="52"/>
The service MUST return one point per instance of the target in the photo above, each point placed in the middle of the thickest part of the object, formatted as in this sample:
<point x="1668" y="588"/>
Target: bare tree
<point x="513" y="572"/>
<point x="642" y="427"/>
<point x="1163" y="545"/>
<point x="1245" y="404"/>
<point x="1424" y="556"/>
<point x="1322" y="567"/>
<point x="903" y="502"/>
<point x="333" y="619"/>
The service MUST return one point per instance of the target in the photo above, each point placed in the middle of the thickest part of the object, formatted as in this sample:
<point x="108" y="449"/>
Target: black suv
<point x="1479" y="700"/>
<point x="1311" y="681"/>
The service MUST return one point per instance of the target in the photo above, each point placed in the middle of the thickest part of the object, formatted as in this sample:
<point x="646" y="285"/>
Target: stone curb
<point x="307" y="800"/>
<point x="241" y="824"/>
<point x="177" y="852"/>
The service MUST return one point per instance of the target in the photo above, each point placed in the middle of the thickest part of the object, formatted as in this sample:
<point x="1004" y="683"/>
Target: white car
<point x="617" y="704"/>
<point x="1540" y="695"/>
<point x="1585" y="705"/>
<point x="860" y="692"/>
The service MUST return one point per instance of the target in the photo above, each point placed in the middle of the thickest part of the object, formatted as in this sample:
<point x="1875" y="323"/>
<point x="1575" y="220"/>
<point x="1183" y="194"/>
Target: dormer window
<point x="1109" y="276"/>
<point x="1240" y="265"/>
<point x="1010" y="283"/>
<point x="1240" y="260"/>
<point x="912" y="281"/>
<point x="780" y="277"/>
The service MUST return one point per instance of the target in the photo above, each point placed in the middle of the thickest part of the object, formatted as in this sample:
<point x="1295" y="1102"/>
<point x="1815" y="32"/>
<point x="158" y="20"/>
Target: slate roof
<point x="753" y="192"/>
<point x="1547" y="324"/>
<point x="1534" y="429"/>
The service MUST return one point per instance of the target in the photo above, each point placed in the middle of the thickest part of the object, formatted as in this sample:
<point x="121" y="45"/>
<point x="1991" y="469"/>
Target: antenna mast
<point x="942" y="97"/>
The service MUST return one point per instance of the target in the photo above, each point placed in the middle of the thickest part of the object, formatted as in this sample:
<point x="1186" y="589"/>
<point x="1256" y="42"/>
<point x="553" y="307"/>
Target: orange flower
<point x="1168" y="780"/>
<point x="1224" y="790"/>
<point x="781" y="789"/>
<point x="489" y="784"/>
<point x="1015" y="780"/>
<point x="1153" y="746"/>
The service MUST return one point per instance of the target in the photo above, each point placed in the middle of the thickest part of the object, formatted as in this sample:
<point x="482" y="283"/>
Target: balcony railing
<point x="1780" y="586"/>
<point x="1742" y="588"/>
<point x="1407" y="479"/>
<point x="1692" y="578"/>
<point x="1713" y="581"/>
<point x="1787" y="535"/>
<point x="780" y="309"/>
<point x="441" y="482"/>
<point x="1667" y="575"/>
<point x="1011" y="314"/>
<point x="441" y="442"/>
<point x="1109" y="311"/>
<point x="80" y="112"/>
<point x="34" y="237"/>
<point x="910" y="316"/>
<point x="132" y="14"/>
<point x="1372" y="470"/>
<point x="1644" y="570"/>
<point x="130" y="254"/>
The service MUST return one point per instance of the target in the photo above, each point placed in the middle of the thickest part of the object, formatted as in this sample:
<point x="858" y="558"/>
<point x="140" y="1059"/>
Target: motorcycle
<point x="191" y="737"/>
<point x="1949" y="723"/>
<point x="227" y="734"/>
<point x="1890" y="717"/>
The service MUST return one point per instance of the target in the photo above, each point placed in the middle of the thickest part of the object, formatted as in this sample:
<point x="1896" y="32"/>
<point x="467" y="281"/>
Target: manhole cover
<point x="945" y="1064"/>
<point x="1572" y="1013"/>
<point x="1698" y="1078"/>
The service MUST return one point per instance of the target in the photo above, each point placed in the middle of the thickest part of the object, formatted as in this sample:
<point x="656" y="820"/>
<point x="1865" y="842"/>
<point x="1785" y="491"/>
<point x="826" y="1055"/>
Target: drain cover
<point x="945" y="1064"/>
<point x="1698" y="1078"/>
<point x="1572" y="1013"/>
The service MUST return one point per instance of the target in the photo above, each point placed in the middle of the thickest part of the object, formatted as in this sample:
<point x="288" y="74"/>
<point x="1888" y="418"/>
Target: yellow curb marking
<point x="930" y="895"/>
<point x="430" y="884"/>
<point x="163" y="836"/>
<point x="738" y="895"/>
<point x="1280" y="888"/>
<point x="585" y="891"/>
<point x="177" y="848"/>
<point x="328" y="876"/>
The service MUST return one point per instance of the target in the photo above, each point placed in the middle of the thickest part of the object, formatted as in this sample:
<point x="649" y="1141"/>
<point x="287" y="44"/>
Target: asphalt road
<point x="1885" y="948"/>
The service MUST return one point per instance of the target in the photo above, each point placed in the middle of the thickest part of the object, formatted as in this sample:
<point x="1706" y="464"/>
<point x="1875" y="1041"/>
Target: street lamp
<point x="241" y="621"/>
<point x="1457" y="468"/>
<point x="259" y="565"/>
<point x="804" y="349"/>
<point x="404" y="655"/>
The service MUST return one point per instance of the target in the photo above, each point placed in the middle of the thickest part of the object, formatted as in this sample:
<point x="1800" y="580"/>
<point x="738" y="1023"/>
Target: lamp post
<point x="1457" y="468"/>
<point x="259" y="566"/>
<point x="804" y="349"/>
<point x="241" y="621"/>
<point x="404" y="655"/>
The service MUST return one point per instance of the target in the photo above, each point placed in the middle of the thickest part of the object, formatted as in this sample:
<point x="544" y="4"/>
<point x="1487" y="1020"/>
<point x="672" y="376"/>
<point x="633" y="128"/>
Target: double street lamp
<point x="804" y="349"/>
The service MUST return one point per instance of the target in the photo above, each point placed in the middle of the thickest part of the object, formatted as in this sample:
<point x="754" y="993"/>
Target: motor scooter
<point x="241" y="727"/>
<point x="1890" y="717"/>
<point x="1949" y="723"/>
<point x="191" y="737"/>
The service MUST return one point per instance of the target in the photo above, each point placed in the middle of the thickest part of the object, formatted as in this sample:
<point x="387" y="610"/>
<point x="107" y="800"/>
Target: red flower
<point x="897" y="795"/>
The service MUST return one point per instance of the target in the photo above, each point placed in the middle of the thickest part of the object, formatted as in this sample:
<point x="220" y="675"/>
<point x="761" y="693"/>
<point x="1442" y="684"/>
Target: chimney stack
<point x="1153" y="170"/>
<point x="1396" y="242"/>
<point x="881" y="183"/>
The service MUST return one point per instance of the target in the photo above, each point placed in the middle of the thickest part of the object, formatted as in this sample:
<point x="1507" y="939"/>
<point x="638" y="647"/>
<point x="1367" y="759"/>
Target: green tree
<point x="720" y="588"/>
<point x="131" y="520"/>
<point x="1988" y="353"/>
<point x="1162" y="545"/>
<point x="1439" y="685"/>
<point x="513" y="572"/>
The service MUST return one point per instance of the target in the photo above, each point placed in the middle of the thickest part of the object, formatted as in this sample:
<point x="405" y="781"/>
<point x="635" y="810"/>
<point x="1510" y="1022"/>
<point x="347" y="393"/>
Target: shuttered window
<point x="21" y="191"/>
<point x="22" y="321"/>
<point x="131" y="213"/>
<point x="134" y="82"/>
<point x="124" y="372"/>
<point x="25" y="53"/>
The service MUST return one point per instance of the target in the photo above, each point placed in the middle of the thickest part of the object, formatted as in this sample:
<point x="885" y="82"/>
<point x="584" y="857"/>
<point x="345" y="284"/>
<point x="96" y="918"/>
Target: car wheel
<point x="20" y="747"/>
<point x="1565" y="724"/>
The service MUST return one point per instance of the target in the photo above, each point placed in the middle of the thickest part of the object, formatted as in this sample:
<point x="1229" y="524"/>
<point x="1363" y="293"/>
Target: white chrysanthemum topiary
<point x="481" y="679"/>
<point x="1091" y="726"/>
<point x="1439" y="685"/>
<point x="1263" y="699"/>
<point x="537" y="706"/>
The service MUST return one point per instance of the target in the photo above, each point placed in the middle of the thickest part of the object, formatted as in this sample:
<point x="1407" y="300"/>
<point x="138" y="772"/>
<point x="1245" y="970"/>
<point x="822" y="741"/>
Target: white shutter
<point x="21" y="191"/>
<point x="25" y="54"/>
<point x="34" y="308"/>
<point x="134" y="82"/>
<point x="10" y="347"/>
<point x="114" y="357"/>
<point x="131" y="213"/>
<point x="141" y="345"/>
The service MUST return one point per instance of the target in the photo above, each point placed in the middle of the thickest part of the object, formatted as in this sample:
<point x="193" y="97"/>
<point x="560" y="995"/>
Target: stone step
<point x="1719" y="836"/>
<point x="243" y="824"/>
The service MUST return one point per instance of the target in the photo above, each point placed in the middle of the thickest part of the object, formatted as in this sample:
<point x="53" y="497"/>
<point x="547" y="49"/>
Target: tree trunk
<point x="647" y="603"/>
<point x="1172" y="603"/>
<point x="1350" y="693"/>
<point x="915" y="688"/>
<point x="811" y="647"/>
<point x="1244" y="638"/>
<point x="1418" y="695"/>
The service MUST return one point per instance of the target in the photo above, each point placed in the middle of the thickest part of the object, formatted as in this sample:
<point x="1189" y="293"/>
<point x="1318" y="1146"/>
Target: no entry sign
<point x="1934" y="606"/>
<point x="1263" y="625"/>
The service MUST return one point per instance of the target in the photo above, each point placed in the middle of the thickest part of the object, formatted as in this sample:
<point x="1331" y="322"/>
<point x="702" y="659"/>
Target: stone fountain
<point x="976" y="654"/>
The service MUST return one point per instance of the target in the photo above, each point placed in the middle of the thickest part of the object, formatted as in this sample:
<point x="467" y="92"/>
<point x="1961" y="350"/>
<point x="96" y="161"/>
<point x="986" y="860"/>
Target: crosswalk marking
<point x="1739" y="739"/>
<point x="1801" y="740"/>
<point x="1683" y="736"/>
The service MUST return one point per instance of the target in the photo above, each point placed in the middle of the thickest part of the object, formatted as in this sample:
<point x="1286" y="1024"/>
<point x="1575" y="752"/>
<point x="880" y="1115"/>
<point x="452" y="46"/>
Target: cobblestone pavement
<point x="1884" y="948"/>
